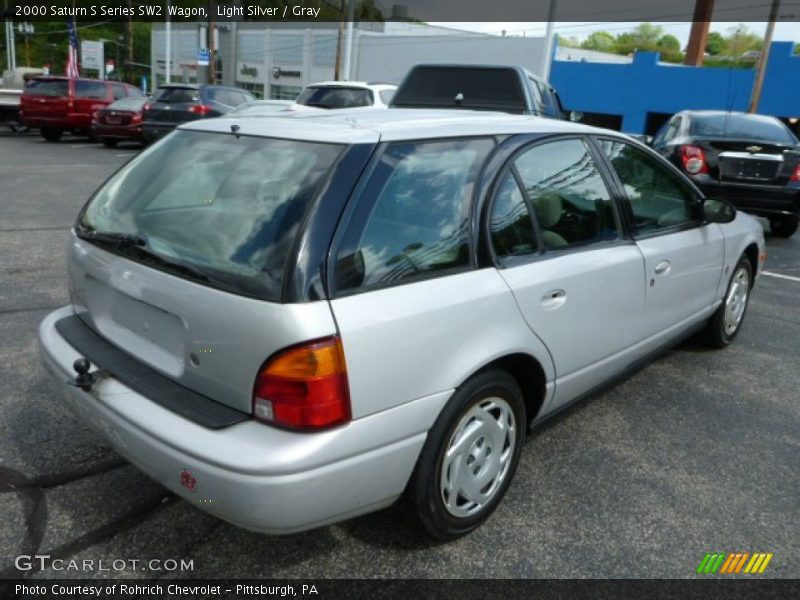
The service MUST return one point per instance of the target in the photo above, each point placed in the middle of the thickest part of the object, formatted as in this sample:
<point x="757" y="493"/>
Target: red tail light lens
<point x="304" y="387"/>
<point x="136" y="118"/>
<point x="200" y="109"/>
<point x="694" y="160"/>
<point x="796" y="173"/>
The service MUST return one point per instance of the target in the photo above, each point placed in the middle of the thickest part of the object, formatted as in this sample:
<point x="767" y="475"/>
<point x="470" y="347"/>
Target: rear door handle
<point x="554" y="299"/>
<point x="663" y="267"/>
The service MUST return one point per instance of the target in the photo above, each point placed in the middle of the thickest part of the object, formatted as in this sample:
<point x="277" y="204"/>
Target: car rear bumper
<point x="764" y="200"/>
<point x="72" y="121"/>
<point x="255" y="476"/>
<point x="129" y="132"/>
<point x="155" y="131"/>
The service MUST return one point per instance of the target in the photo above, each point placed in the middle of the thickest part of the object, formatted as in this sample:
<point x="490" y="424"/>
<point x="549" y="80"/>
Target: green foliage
<point x="715" y="44"/>
<point x="568" y="41"/>
<point x="599" y="40"/>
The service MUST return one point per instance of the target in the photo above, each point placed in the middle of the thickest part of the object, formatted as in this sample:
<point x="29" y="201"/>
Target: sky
<point x="789" y="32"/>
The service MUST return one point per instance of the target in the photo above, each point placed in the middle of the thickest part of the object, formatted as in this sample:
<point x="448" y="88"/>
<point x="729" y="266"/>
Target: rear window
<point x="132" y="104"/>
<point x="176" y="95"/>
<point x="90" y="89"/>
<point x="451" y="87"/>
<point x="338" y="97"/>
<point x="52" y="87"/>
<point x="227" y="208"/>
<point x="741" y="127"/>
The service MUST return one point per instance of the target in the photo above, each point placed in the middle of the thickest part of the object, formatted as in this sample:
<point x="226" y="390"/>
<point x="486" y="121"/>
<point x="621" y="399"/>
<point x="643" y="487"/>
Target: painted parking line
<point x="780" y="276"/>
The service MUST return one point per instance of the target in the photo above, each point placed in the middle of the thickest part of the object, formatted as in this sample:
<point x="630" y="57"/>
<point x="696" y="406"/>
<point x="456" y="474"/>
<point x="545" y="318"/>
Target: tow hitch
<point x="84" y="379"/>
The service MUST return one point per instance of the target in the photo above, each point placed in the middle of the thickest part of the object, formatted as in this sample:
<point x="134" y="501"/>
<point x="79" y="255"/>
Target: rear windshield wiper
<point x="133" y="244"/>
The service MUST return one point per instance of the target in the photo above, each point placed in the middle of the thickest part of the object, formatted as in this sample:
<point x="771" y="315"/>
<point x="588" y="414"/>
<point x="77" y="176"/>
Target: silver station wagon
<point x="293" y="321"/>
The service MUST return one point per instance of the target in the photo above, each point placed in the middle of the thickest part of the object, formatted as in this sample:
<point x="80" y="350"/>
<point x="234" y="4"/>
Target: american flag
<point x="72" y="53"/>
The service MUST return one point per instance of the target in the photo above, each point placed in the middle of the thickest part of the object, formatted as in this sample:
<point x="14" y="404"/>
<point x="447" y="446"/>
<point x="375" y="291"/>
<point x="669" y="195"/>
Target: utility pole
<point x="698" y="38"/>
<point x="348" y="46"/>
<point x="547" y="59"/>
<point x="763" y="57"/>
<point x="338" y="65"/>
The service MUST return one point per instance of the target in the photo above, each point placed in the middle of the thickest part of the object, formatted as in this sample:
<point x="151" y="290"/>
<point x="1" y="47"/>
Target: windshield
<point x="175" y="95"/>
<point x="335" y="97"/>
<point x="225" y="207"/>
<point x="742" y="127"/>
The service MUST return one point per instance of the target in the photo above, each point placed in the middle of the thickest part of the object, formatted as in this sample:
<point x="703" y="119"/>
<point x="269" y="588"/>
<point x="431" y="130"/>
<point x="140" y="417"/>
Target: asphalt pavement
<point x="698" y="452"/>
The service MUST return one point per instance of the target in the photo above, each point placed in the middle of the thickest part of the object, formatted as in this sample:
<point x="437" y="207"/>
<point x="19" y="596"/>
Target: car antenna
<point x="235" y="130"/>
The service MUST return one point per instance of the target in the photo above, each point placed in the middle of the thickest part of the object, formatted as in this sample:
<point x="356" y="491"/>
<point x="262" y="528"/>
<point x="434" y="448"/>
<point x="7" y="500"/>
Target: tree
<point x="740" y="40"/>
<point x="668" y="43"/>
<point x="715" y="45"/>
<point x="599" y="40"/>
<point x="568" y="41"/>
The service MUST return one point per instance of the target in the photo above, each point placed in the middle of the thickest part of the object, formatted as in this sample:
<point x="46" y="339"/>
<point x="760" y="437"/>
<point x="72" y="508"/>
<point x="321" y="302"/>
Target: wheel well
<point x="751" y="252"/>
<point x="530" y="377"/>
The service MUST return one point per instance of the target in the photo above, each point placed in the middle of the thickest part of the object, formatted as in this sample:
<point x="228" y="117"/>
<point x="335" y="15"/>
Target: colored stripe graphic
<point x="733" y="562"/>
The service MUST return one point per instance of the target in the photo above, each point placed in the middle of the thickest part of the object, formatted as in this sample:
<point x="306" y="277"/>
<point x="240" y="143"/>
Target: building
<point x="277" y="60"/>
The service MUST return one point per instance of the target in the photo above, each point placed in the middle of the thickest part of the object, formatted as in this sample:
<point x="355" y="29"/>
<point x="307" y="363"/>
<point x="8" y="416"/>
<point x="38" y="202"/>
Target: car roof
<point x="353" y="84"/>
<point x="359" y="125"/>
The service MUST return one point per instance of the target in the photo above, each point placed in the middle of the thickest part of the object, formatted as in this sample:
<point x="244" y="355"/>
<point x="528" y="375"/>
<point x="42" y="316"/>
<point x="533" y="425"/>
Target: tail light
<point x="796" y="173"/>
<point x="304" y="387"/>
<point x="694" y="160"/>
<point x="136" y="118"/>
<point x="146" y="107"/>
<point x="200" y="109"/>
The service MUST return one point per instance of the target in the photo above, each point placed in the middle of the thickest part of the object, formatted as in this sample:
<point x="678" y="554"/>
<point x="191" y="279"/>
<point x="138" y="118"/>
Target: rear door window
<point x="95" y="90"/>
<point x="414" y="218"/>
<point x="511" y="223"/>
<point x="570" y="200"/>
<point x="227" y="208"/>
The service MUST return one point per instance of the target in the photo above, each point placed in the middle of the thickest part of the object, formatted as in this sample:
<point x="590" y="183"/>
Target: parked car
<point x="178" y="103"/>
<point x="293" y="321"/>
<point x="119" y="121"/>
<point x="753" y="161"/>
<point x="346" y="94"/>
<point x="505" y="88"/>
<point x="59" y="104"/>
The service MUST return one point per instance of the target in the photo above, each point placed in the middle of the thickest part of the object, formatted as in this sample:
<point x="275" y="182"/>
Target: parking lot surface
<point x="697" y="452"/>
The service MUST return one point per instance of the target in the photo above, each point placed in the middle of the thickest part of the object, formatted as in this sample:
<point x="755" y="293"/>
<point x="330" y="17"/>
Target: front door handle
<point x="663" y="267"/>
<point x="554" y="299"/>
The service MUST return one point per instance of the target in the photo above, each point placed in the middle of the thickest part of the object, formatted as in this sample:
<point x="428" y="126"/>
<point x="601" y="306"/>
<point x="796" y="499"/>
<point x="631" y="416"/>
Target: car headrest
<point x="548" y="209"/>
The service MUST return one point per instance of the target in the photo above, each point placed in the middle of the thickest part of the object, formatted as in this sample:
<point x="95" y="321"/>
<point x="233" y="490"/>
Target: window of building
<point x="287" y="49"/>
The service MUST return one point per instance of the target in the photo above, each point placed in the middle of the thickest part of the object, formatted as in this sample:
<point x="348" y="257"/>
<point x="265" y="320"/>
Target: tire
<point x="727" y="321"/>
<point x="51" y="135"/>
<point x="109" y="143"/>
<point x="784" y="227"/>
<point x="443" y="506"/>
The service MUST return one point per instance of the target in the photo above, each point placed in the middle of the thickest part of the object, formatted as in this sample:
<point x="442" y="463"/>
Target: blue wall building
<point x="644" y="93"/>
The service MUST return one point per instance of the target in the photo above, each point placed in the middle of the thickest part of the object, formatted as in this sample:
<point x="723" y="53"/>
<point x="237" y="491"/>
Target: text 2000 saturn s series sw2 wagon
<point x="299" y="320"/>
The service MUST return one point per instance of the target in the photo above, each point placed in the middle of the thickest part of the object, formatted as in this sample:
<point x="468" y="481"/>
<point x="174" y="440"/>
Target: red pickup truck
<point x="59" y="104"/>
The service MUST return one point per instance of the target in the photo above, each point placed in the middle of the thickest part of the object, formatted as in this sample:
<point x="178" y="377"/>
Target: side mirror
<point x="717" y="211"/>
<point x="575" y="116"/>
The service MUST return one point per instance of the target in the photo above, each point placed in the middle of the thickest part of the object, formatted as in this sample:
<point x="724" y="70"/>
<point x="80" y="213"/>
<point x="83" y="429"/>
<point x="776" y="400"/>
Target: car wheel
<point x="470" y="456"/>
<point x="727" y="321"/>
<point x="109" y="143"/>
<point x="784" y="227"/>
<point x="51" y="135"/>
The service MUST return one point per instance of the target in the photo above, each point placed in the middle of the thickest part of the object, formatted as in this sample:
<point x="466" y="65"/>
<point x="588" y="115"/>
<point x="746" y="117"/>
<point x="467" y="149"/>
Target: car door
<point x="414" y="313"/>
<point x="683" y="255"/>
<point x="557" y="237"/>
